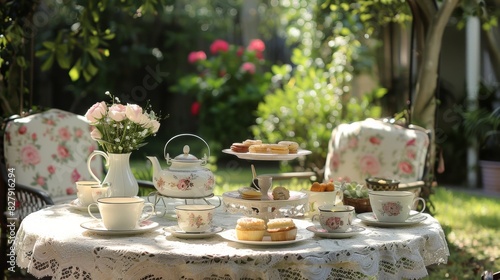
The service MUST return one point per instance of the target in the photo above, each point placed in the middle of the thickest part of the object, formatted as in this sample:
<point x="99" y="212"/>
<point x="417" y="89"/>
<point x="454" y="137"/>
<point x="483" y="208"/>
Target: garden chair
<point x="374" y="148"/>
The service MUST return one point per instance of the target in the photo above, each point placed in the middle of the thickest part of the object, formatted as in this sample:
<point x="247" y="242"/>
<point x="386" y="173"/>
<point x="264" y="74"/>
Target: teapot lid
<point x="186" y="160"/>
<point x="186" y="156"/>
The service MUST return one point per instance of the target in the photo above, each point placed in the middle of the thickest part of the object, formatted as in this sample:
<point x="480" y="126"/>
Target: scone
<point x="251" y="229"/>
<point x="281" y="193"/>
<point x="293" y="147"/>
<point x="282" y="229"/>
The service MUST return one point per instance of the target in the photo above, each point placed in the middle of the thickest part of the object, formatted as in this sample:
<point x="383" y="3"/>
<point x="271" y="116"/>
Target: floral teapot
<point x="186" y="177"/>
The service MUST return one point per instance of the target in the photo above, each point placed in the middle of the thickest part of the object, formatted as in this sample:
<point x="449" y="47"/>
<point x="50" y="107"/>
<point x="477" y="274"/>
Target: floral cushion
<point x="49" y="150"/>
<point x="376" y="148"/>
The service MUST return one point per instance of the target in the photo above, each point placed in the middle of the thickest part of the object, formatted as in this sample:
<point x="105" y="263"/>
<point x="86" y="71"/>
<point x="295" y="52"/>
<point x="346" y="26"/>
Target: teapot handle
<point x="165" y="154"/>
<point x="95" y="153"/>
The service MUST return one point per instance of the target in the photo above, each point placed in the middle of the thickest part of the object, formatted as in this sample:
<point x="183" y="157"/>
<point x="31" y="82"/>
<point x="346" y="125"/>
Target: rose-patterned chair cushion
<point x="49" y="150"/>
<point x="372" y="147"/>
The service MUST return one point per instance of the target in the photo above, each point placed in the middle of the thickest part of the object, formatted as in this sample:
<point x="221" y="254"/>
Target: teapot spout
<point x="156" y="165"/>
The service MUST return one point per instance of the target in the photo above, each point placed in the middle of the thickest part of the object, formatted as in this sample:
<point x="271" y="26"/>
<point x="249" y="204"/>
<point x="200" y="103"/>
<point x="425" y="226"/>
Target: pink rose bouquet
<point x="121" y="128"/>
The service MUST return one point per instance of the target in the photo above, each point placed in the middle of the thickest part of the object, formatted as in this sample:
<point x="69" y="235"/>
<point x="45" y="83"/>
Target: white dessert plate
<point x="258" y="156"/>
<point x="352" y="231"/>
<point x="179" y="233"/>
<point x="75" y="204"/>
<point x="266" y="241"/>
<point x="370" y="219"/>
<point x="97" y="227"/>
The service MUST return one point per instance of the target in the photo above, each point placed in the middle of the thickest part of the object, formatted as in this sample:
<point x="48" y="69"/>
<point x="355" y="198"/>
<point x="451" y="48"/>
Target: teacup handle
<point x="423" y="208"/>
<point x="93" y="154"/>
<point x="340" y="196"/>
<point x="90" y="212"/>
<point x="150" y="213"/>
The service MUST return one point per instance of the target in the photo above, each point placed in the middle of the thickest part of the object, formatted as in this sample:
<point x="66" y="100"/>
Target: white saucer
<point x="370" y="219"/>
<point x="75" y="204"/>
<point x="97" y="227"/>
<point x="266" y="241"/>
<point x="353" y="230"/>
<point x="179" y="233"/>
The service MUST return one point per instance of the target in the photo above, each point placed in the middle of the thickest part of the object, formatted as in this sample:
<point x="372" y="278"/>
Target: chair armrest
<point x="411" y="185"/>
<point x="312" y="176"/>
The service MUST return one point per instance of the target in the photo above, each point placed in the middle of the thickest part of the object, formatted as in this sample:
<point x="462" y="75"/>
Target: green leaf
<point x="41" y="53"/>
<point x="74" y="73"/>
<point x="48" y="63"/>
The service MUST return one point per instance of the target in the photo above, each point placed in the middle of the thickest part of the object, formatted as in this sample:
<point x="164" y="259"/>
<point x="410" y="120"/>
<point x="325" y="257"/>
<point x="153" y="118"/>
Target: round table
<point x="51" y="242"/>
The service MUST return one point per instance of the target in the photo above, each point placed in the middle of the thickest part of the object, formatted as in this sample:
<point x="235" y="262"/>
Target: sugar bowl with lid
<point x="186" y="177"/>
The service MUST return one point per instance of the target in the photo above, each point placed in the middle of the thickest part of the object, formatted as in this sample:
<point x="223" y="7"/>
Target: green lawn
<point x="471" y="222"/>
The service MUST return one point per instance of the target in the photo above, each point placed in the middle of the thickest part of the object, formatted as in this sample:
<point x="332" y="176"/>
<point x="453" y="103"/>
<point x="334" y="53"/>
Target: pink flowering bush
<point x="121" y="128"/>
<point x="228" y="84"/>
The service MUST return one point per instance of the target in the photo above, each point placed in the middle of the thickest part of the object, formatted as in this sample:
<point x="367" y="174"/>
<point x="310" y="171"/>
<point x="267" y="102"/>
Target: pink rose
<point x="369" y="165"/>
<point x="248" y="67"/>
<point x="154" y="125"/>
<point x="256" y="45"/>
<point x="96" y="112"/>
<point x="96" y="134"/>
<point x="40" y="181"/>
<point x="51" y="169"/>
<point x="75" y="176"/>
<point x="62" y="151"/>
<point x="133" y="112"/>
<point x="64" y="133"/>
<point x="219" y="46"/>
<point x="30" y="155"/>
<point x="240" y="51"/>
<point x="117" y="112"/>
<point x="22" y="130"/>
<point x="375" y="140"/>
<point x="405" y="167"/>
<point x="194" y="57"/>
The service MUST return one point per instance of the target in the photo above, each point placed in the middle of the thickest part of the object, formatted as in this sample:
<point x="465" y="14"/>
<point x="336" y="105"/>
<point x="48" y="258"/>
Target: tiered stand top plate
<point x="258" y="156"/>
<point x="295" y="206"/>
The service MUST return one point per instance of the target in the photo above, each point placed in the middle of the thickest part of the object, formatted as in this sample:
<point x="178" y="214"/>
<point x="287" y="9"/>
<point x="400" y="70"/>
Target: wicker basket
<point x="381" y="184"/>
<point x="361" y="205"/>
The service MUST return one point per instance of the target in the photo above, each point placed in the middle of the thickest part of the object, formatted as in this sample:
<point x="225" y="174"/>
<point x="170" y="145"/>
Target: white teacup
<point x="335" y="218"/>
<point x="84" y="191"/>
<point x="317" y="199"/>
<point x="195" y="218"/>
<point x="393" y="206"/>
<point x="122" y="213"/>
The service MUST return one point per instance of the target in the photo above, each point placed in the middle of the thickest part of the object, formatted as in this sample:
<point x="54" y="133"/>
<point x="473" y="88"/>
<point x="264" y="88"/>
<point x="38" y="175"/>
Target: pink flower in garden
<point x="375" y="140"/>
<point x="193" y="57"/>
<point x="248" y="67"/>
<point x="64" y="133"/>
<point x="117" y="112"/>
<point x="405" y="167"/>
<point x="240" y="51"/>
<point x="195" y="108"/>
<point x="369" y="165"/>
<point x="40" y="181"/>
<point x="30" y="155"/>
<point x="256" y="45"/>
<point x="51" y="169"/>
<point x="22" y="130"/>
<point x="219" y="46"/>
<point x="75" y="176"/>
<point x="62" y="151"/>
<point x="96" y="112"/>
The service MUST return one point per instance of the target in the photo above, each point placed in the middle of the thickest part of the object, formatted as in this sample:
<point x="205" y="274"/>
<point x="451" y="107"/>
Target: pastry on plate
<point x="278" y="149"/>
<point x="251" y="229"/>
<point x="249" y="193"/>
<point x="293" y="147"/>
<point x="281" y="193"/>
<point x="282" y="229"/>
<point x="239" y="148"/>
<point x="250" y="142"/>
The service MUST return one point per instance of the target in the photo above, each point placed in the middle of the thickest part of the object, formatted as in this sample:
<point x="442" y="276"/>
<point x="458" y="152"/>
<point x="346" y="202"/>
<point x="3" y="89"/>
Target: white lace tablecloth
<point x="51" y="242"/>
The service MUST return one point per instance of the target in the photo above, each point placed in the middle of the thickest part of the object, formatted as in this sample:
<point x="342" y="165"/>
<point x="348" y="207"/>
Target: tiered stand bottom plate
<point x="268" y="208"/>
